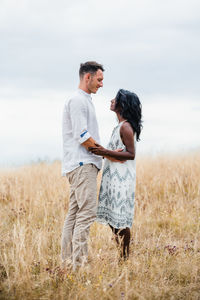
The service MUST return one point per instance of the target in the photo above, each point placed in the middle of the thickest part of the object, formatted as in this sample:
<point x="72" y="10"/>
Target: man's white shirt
<point x="79" y="123"/>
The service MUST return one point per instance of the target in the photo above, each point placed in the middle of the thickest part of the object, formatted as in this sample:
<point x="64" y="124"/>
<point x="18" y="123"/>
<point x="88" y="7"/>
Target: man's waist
<point x="69" y="165"/>
<point x="73" y="157"/>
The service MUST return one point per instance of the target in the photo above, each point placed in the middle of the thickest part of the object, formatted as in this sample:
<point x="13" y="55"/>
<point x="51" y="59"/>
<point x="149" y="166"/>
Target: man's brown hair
<point x="90" y="67"/>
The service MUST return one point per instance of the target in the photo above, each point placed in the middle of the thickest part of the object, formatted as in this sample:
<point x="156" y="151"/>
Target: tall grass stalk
<point x="165" y="247"/>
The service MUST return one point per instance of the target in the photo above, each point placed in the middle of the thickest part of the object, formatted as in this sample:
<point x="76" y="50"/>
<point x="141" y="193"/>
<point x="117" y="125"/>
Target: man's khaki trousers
<point x="81" y="214"/>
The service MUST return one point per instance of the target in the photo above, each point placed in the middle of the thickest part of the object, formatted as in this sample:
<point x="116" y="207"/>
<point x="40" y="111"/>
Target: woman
<point x="117" y="191"/>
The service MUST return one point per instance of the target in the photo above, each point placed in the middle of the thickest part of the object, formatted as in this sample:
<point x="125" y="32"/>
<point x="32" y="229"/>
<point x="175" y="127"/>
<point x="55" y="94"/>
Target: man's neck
<point x="84" y="88"/>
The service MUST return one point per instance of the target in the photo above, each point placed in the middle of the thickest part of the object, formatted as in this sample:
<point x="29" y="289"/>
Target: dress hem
<point x="112" y="224"/>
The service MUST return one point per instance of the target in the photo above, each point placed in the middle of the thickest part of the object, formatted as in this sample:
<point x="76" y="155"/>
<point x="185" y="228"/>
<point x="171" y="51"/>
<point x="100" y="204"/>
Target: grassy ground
<point x="165" y="246"/>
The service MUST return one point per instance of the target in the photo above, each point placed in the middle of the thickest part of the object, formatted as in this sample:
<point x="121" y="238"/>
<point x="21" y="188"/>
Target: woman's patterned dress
<point x="117" y="191"/>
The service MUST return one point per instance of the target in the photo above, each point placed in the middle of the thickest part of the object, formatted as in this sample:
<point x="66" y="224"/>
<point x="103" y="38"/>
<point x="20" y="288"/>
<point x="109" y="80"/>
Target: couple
<point x="82" y="159"/>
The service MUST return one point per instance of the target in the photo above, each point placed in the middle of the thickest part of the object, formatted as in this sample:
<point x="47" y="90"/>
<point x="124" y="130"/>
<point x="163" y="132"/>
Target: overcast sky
<point x="150" y="47"/>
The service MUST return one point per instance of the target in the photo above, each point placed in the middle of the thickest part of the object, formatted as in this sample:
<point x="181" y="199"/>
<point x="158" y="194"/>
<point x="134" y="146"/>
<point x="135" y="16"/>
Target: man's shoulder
<point x="76" y="97"/>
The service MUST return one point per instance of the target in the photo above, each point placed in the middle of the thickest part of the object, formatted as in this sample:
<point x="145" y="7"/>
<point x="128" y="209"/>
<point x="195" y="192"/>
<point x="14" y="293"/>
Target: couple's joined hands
<point x="92" y="146"/>
<point x="99" y="150"/>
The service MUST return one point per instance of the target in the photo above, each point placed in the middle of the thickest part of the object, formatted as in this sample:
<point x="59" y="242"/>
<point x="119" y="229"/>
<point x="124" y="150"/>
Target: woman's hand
<point x="98" y="150"/>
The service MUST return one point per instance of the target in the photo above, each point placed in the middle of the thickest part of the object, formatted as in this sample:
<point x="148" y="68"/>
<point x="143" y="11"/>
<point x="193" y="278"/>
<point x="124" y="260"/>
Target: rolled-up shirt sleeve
<point x="78" y="115"/>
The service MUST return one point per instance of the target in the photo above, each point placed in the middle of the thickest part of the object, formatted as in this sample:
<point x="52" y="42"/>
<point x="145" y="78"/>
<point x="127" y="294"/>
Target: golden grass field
<point x="165" y="248"/>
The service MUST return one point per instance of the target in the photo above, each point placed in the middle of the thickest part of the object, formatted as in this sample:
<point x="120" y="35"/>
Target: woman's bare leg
<point x="124" y="241"/>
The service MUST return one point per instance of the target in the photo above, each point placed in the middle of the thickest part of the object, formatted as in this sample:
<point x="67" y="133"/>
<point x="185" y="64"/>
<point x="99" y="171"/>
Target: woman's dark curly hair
<point x="130" y="109"/>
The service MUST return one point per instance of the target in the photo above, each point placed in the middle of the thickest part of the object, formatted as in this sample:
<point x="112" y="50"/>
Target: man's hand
<point x="114" y="159"/>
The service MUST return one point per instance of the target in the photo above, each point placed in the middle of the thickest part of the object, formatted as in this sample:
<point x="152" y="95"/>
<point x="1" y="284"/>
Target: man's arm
<point x="89" y="143"/>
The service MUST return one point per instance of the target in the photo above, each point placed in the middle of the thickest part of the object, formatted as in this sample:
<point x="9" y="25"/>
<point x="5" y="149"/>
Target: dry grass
<point x="165" y="249"/>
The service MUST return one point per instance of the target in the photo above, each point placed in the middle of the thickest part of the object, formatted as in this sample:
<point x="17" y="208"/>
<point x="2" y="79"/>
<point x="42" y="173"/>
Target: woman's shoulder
<point x="126" y="126"/>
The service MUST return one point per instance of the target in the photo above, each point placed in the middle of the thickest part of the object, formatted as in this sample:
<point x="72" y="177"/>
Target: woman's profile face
<point x="112" y="104"/>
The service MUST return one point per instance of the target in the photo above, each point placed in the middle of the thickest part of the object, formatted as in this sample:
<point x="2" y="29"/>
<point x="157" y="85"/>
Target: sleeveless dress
<point x="117" y="191"/>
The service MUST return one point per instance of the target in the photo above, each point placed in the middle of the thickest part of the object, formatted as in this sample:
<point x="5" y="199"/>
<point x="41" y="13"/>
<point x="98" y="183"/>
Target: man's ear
<point x="87" y="76"/>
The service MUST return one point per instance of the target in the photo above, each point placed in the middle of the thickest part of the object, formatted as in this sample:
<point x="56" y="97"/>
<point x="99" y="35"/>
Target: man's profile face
<point x="95" y="81"/>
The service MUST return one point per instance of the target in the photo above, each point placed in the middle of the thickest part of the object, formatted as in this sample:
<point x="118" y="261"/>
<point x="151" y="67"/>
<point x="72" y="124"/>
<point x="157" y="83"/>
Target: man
<point x="80" y="130"/>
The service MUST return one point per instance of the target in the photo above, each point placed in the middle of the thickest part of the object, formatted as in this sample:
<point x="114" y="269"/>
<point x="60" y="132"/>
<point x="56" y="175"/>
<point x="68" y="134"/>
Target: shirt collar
<point x="84" y="93"/>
